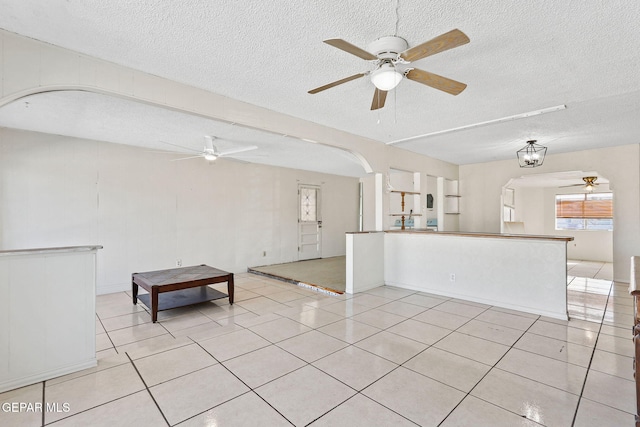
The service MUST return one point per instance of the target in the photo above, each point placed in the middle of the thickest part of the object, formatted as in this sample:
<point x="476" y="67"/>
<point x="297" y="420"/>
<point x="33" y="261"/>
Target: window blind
<point x="587" y="206"/>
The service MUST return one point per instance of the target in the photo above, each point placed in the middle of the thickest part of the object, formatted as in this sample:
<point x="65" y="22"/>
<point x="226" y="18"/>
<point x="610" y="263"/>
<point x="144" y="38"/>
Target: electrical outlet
<point x="179" y="262"/>
<point x="452" y="277"/>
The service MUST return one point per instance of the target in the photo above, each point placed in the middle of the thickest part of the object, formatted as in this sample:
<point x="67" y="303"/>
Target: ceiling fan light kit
<point x="209" y="155"/>
<point x="386" y="77"/>
<point x="531" y="155"/>
<point x="590" y="183"/>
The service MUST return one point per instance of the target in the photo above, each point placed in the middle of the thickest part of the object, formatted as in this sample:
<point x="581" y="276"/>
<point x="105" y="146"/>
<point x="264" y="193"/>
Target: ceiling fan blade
<point x="238" y="150"/>
<point x="352" y="49"/>
<point x="573" y="185"/>
<point x="181" y="146"/>
<point x="435" y="81"/>
<point x="160" y="152"/>
<point x="336" y="83"/>
<point x="187" y="158"/>
<point x="446" y="41"/>
<point x="379" y="96"/>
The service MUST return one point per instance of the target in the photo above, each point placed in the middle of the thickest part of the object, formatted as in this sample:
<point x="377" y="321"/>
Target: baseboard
<point x="112" y="289"/>
<point x="47" y="375"/>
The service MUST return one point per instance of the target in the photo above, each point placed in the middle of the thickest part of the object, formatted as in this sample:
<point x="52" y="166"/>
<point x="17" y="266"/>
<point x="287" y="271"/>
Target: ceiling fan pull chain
<point x="395" y="107"/>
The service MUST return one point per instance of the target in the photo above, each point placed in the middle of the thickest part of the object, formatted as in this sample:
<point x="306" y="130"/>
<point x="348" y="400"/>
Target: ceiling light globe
<point x="210" y="156"/>
<point x="386" y="77"/>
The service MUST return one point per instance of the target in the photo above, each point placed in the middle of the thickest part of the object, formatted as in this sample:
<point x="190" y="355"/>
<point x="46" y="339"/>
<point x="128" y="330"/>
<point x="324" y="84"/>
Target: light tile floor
<point x="284" y="355"/>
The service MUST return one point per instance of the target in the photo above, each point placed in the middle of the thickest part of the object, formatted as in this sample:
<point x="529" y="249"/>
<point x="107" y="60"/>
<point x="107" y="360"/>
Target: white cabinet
<point x="47" y="313"/>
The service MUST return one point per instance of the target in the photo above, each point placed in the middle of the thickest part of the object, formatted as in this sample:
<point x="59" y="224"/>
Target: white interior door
<point x="309" y="222"/>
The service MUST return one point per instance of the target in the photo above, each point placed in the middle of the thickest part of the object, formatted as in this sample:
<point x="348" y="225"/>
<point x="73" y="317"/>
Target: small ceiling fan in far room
<point x="589" y="183"/>
<point x="391" y="58"/>
<point x="210" y="151"/>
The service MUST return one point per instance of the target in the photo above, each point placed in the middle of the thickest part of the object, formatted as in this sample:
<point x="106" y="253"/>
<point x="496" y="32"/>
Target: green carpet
<point x="326" y="273"/>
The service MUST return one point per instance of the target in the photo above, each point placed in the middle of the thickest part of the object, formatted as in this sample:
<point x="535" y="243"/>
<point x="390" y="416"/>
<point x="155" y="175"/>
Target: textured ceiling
<point x="523" y="56"/>
<point x="104" y="118"/>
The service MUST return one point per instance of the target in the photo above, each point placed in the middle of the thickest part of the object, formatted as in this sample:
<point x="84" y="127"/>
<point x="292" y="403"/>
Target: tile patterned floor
<point x="284" y="355"/>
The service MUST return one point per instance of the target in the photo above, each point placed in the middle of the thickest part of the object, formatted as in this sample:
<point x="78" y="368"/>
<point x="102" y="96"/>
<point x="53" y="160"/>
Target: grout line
<point x="593" y="352"/>
<point x="147" y="388"/>
<point x="43" y="402"/>
<point x="489" y="371"/>
<point x="251" y="389"/>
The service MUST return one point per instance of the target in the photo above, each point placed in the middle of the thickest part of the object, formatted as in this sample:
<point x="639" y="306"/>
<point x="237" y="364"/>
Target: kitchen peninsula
<point x="520" y="272"/>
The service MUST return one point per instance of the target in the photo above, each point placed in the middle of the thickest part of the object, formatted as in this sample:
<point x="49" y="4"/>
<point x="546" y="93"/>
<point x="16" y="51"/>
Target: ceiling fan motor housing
<point x="388" y="47"/>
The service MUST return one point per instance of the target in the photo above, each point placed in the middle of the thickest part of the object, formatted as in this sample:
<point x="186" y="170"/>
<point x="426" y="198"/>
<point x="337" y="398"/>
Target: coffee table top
<point x="179" y="275"/>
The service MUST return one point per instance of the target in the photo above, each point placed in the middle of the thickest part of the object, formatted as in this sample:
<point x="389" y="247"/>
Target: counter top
<point x="63" y="249"/>
<point x="363" y="232"/>
<point x="475" y="234"/>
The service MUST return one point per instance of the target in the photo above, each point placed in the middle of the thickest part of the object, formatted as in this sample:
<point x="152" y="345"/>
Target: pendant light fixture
<point x="531" y="155"/>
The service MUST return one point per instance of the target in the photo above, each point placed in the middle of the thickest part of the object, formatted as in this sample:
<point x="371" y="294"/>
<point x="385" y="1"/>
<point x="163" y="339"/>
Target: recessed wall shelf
<point x="452" y="197"/>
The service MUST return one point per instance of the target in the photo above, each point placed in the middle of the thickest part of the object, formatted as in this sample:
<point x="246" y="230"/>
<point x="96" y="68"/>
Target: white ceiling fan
<point x="391" y="57"/>
<point x="210" y="151"/>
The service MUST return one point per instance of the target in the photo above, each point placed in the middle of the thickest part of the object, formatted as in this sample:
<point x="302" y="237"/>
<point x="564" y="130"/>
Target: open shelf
<point x="451" y="197"/>
<point x="180" y="298"/>
<point x="405" y="216"/>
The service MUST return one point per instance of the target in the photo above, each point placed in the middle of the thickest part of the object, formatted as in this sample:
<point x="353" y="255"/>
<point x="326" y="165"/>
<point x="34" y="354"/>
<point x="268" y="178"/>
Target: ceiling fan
<point x="391" y="58"/>
<point x="210" y="151"/>
<point x="589" y="183"/>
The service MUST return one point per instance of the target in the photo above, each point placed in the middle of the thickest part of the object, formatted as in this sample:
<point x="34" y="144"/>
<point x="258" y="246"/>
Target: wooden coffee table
<point x="178" y="287"/>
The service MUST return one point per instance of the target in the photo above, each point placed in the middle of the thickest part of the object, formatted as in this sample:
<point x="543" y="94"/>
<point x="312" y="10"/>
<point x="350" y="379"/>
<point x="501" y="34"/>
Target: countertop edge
<point x="39" y="251"/>
<point x="473" y="234"/>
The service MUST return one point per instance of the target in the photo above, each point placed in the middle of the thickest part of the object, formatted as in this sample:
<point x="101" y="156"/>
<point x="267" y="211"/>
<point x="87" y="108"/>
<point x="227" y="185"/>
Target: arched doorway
<point x="563" y="204"/>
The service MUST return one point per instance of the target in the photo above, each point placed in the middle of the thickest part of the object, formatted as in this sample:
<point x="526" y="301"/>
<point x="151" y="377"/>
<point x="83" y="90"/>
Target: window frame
<point x="584" y="222"/>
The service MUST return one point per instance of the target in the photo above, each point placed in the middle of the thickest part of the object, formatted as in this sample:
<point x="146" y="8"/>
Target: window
<point x="308" y="204"/>
<point x="584" y="211"/>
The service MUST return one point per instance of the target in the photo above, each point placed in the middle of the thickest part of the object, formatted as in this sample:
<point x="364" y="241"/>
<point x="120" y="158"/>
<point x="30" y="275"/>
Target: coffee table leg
<point x="134" y="291"/>
<point x="154" y="303"/>
<point x="230" y="288"/>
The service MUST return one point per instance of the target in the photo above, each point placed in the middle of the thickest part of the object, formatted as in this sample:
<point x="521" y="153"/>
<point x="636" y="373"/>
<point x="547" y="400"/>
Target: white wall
<point x="148" y="211"/>
<point x="368" y="202"/>
<point x="481" y="185"/>
<point x="364" y="261"/>
<point x="489" y="270"/>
